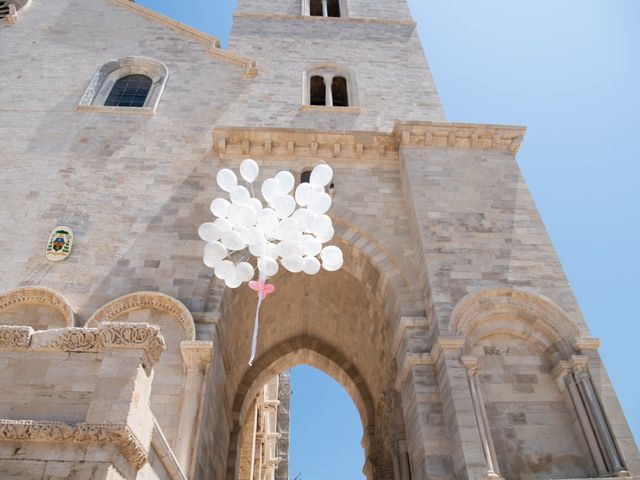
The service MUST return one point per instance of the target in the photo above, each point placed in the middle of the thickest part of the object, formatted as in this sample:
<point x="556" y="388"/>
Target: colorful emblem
<point x="59" y="246"/>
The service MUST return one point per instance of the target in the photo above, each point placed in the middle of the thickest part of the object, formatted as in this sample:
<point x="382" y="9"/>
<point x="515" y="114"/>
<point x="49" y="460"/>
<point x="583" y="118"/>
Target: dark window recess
<point x="318" y="94"/>
<point x="315" y="8"/>
<point x="305" y="177"/>
<point x="339" y="92"/>
<point x="333" y="8"/>
<point x="4" y="9"/>
<point x="129" y="91"/>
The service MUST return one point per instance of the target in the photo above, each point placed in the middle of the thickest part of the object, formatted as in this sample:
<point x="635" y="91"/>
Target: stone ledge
<point x="311" y="18"/>
<point x="38" y="431"/>
<point x="144" y="111"/>
<point x="93" y="340"/>
<point x="325" y="109"/>
<point x="353" y="145"/>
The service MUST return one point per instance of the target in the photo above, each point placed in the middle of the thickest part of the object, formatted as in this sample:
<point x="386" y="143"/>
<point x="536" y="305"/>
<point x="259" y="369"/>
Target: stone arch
<point x="177" y="327"/>
<point x="108" y="74"/>
<point x="318" y="354"/>
<point x="146" y="300"/>
<point x="515" y="312"/>
<point x="28" y="306"/>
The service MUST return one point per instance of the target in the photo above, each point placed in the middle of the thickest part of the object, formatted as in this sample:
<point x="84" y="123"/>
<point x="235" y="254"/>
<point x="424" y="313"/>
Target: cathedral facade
<point x="452" y="325"/>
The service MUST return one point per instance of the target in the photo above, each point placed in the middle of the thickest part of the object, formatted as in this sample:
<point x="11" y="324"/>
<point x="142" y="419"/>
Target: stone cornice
<point x="37" y="296"/>
<point x="37" y="431"/>
<point x="353" y="145"/>
<point x="74" y="340"/>
<point x="250" y="69"/>
<point x="142" y="300"/>
<point x="311" y="18"/>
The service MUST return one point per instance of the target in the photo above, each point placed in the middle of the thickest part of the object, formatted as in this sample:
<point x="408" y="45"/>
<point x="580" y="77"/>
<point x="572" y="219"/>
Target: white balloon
<point x="268" y="221"/>
<point x="233" y="281"/>
<point x="288" y="249"/>
<point x="320" y="203"/>
<point x="320" y="225"/>
<point x="213" y="253"/>
<point x="332" y="267"/>
<point x="209" y="232"/>
<point x="268" y="266"/>
<point x="249" y="170"/>
<point x="241" y="215"/>
<point x="255" y="204"/>
<point x="326" y="236"/>
<point x="220" y="207"/>
<point x="304" y="192"/>
<point x="232" y="240"/>
<point x="288" y="229"/>
<point x="284" y="206"/>
<point x="303" y="217"/>
<point x="321" y="176"/>
<point x="244" y="271"/>
<point x="284" y="182"/>
<point x="224" y="269"/>
<point x="311" y="246"/>
<point x="271" y="250"/>
<point x="251" y="236"/>
<point x="226" y="179"/>
<point x="294" y="263"/>
<point x="269" y="189"/>
<point x="331" y="255"/>
<point x="240" y="195"/>
<point x="223" y="224"/>
<point x="311" y="265"/>
<point x="258" y="249"/>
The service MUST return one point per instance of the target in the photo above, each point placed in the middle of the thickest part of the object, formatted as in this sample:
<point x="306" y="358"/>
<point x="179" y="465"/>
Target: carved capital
<point x="470" y="362"/>
<point x="578" y="364"/>
<point x="561" y="374"/>
<point x="35" y="431"/>
<point x="196" y="354"/>
<point x="15" y="337"/>
<point x="447" y="343"/>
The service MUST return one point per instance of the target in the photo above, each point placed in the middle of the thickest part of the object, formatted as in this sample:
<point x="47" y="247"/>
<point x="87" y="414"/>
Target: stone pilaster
<point x="196" y="356"/>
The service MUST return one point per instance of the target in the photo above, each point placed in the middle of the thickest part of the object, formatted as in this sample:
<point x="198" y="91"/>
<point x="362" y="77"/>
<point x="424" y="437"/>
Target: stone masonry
<point x="452" y="325"/>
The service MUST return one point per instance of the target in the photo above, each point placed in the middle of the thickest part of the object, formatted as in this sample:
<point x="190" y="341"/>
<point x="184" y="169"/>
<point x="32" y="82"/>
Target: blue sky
<point x="570" y="71"/>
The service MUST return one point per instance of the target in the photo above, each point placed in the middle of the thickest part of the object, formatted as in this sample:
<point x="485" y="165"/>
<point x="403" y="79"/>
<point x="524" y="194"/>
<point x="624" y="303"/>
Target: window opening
<point x="129" y="91"/>
<point x="315" y="8"/>
<point x="339" y="92"/>
<point x="305" y="177"/>
<point x="333" y="8"/>
<point x="318" y="91"/>
<point x="4" y="9"/>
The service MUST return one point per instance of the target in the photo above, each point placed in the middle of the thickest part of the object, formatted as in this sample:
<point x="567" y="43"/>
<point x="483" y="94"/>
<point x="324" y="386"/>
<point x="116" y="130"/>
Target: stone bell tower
<point x="451" y="325"/>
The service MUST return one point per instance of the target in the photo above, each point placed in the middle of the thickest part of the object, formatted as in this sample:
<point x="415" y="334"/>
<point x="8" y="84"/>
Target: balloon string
<point x="254" y="342"/>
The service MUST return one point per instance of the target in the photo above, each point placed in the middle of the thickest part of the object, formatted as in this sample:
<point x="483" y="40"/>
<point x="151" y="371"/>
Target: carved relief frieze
<point x="120" y="435"/>
<point x="15" y="337"/>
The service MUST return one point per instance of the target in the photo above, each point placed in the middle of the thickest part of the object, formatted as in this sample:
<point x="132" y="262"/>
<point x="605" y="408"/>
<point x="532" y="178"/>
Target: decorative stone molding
<point x="539" y="312"/>
<point x="14" y="338"/>
<point x="196" y="354"/>
<point x="37" y="296"/>
<point x="238" y="141"/>
<point x="146" y="300"/>
<point x="107" y="335"/>
<point x="250" y="69"/>
<point x="36" y="431"/>
<point x="587" y="343"/>
<point x="445" y="343"/>
<point x="409" y="361"/>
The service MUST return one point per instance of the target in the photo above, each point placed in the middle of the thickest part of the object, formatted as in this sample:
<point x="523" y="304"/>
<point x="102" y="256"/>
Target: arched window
<point x="331" y="86"/>
<point x="339" y="92"/>
<point x="129" y="91"/>
<point x="318" y="93"/>
<point x="132" y="84"/>
<point x="323" y="8"/>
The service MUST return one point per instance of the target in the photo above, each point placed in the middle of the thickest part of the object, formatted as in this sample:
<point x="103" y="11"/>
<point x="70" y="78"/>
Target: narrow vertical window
<point x="305" y="177"/>
<point x="339" y="92"/>
<point x="333" y="8"/>
<point x="318" y="93"/>
<point x="316" y="8"/>
<point x="129" y="91"/>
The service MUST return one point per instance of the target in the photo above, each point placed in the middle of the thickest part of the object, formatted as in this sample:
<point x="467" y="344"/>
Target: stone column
<point x="597" y="417"/>
<point x="196" y="356"/>
<point x="325" y="10"/>
<point x="328" y="82"/>
<point x="471" y="364"/>
<point x="468" y="456"/>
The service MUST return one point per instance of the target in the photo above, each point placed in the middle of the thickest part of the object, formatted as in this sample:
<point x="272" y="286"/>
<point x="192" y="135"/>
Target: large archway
<point x="338" y="322"/>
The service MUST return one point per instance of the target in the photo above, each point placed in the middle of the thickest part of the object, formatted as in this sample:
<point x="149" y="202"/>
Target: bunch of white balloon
<point x="291" y="230"/>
